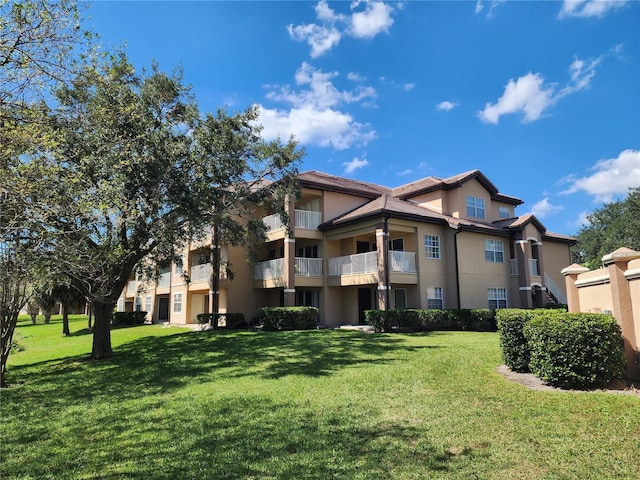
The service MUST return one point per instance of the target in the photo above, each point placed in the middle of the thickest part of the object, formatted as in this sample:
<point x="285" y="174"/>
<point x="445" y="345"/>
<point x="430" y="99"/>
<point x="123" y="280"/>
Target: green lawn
<point x="298" y="405"/>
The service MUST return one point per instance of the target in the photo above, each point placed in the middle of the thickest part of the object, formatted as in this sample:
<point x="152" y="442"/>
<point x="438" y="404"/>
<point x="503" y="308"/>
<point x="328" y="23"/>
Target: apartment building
<point x="353" y="246"/>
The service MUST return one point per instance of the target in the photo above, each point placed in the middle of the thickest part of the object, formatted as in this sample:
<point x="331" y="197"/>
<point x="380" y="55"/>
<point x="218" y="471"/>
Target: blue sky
<point x="542" y="97"/>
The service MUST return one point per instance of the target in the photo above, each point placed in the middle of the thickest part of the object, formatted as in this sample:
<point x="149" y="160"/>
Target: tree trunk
<point x="9" y="321"/>
<point x="65" y="319"/>
<point x="90" y="307"/>
<point x="102" y="330"/>
<point x="33" y="318"/>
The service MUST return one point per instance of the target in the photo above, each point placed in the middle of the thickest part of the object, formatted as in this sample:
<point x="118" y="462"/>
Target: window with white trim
<point x="138" y="304"/>
<point x="475" y="207"/>
<point x="435" y="299"/>
<point x="177" y="303"/>
<point x="121" y="304"/>
<point x="494" y="251"/>
<point x="504" y="212"/>
<point x="147" y="303"/>
<point x="497" y="298"/>
<point x="432" y="246"/>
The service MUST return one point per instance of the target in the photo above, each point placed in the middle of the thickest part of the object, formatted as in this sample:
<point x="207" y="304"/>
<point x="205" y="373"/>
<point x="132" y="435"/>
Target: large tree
<point x="136" y="171"/>
<point x="615" y="225"/>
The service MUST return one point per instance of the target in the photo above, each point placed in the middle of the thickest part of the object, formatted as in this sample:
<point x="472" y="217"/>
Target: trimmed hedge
<point x="575" y="350"/>
<point x="479" y="320"/>
<point x="119" y="319"/>
<point x="515" y="348"/>
<point x="287" y="318"/>
<point x="229" y="320"/>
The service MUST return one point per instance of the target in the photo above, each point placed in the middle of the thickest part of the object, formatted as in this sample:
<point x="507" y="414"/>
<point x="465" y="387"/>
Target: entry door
<point x="364" y="303"/>
<point x="163" y="309"/>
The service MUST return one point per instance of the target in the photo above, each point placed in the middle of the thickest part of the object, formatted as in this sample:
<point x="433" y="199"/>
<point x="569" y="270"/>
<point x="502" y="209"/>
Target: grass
<point x="297" y="405"/>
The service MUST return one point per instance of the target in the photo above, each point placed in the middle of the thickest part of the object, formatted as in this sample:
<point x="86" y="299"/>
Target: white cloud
<point x="376" y="18"/>
<point x="492" y="6"/>
<point x="320" y="39"/>
<point x="527" y="95"/>
<point x="355" y="164"/>
<point x="355" y="77"/>
<point x="446" y="105"/>
<point x="531" y="96"/>
<point x="322" y="127"/>
<point x="611" y="177"/>
<point x="406" y="171"/>
<point x="409" y="86"/>
<point x="589" y="8"/>
<point x="544" y="208"/>
<point x="314" y="114"/>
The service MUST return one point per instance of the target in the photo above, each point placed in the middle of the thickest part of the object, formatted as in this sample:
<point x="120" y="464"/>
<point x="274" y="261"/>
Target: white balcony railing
<point x="533" y="267"/>
<point x="200" y="273"/>
<point x="514" y="267"/>
<point x="404" y="262"/>
<point x="269" y="269"/>
<point x="164" y="280"/>
<point x="304" y="219"/>
<point x="308" y="267"/>
<point x="554" y="289"/>
<point x="353" y="264"/>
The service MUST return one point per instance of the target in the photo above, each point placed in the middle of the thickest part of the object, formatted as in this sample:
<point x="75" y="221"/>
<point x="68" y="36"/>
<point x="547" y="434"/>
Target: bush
<point x="228" y="320"/>
<point x="288" y="318"/>
<point x="480" y="320"/>
<point x="575" y="350"/>
<point x="515" y="348"/>
<point x="120" y="319"/>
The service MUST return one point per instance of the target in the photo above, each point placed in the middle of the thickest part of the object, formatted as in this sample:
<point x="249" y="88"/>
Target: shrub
<point x="120" y="319"/>
<point x="228" y="320"/>
<point x="575" y="350"/>
<point x="288" y="318"/>
<point x="515" y="349"/>
<point x="480" y="320"/>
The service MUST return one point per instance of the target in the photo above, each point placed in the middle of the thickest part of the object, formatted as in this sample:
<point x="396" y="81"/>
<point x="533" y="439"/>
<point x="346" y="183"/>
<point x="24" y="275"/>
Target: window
<point x="494" y="251"/>
<point x="177" y="303"/>
<point x="435" y="298"/>
<point x="308" y="298"/>
<point x="179" y="266"/>
<point x="307" y="252"/>
<point x="504" y="212"/>
<point x="147" y="303"/>
<point x="400" y="299"/>
<point x="138" y="304"/>
<point x="497" y="298"/>
<point x="475" y="207"/>
<point x="432" y="246"/>
<point x="397" y="244"/>
<point x="121" y="305"/>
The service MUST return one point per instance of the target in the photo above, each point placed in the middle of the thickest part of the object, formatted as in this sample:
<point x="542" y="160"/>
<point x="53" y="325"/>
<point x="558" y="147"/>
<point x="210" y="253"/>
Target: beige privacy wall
<point x="615" y="289"/>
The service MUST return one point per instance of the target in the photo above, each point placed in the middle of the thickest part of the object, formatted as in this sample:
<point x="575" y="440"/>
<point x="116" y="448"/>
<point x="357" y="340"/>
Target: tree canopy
<point x="615" y="225"/>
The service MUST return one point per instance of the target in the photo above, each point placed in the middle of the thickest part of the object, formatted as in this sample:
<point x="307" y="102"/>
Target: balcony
<point x="269" y="269"/>
<point x="308" y="267"/>
<point x="303" y="219"/>
<point x="164" y="280"/>
<point x="304" y="267"/>
<point x="533" y="267"/>
<point x="353" y="264"/>
<point x="403" y="262"/>
<point x="200" y="273"/>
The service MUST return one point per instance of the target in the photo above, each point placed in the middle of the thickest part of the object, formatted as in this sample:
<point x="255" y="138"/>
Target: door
<point x="364" y="303"/>
<point x="163" y="309"/>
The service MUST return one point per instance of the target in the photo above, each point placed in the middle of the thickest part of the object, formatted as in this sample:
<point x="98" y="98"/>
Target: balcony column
<point x="290" y="255"/>
<point x="526" y="298"/>
<point x="214" y="282"/>
<point x="382" y="247"/>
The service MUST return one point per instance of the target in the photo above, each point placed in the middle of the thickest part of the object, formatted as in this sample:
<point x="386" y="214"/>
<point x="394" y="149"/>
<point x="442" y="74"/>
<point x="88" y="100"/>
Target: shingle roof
<point x="324" y="181"/>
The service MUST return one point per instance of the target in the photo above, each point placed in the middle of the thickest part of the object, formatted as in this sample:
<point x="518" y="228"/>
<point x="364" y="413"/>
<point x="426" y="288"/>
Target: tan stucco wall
<point x="477" y="275"/>
<point x="556" y="256"/>
<point x="334" y="204"/>
<point x="457" y="199"/>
